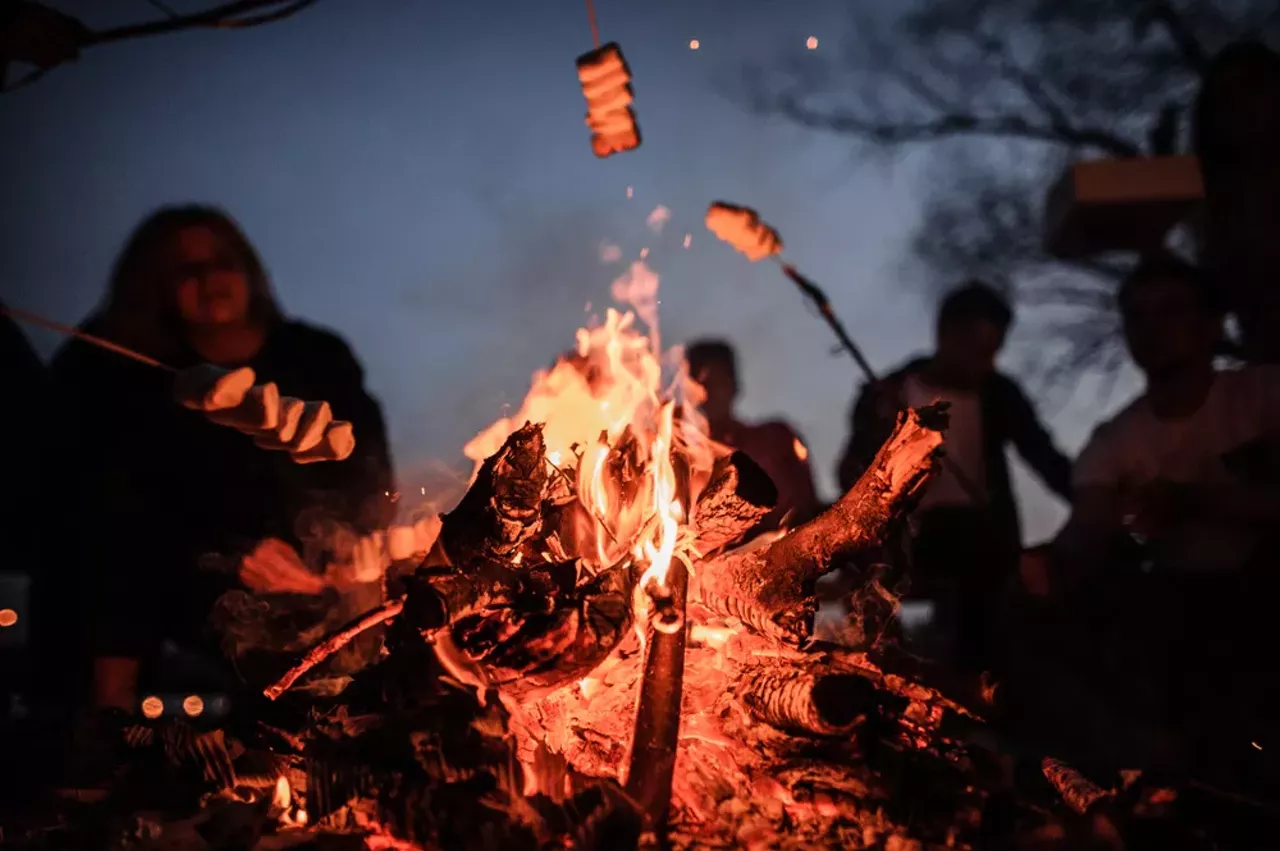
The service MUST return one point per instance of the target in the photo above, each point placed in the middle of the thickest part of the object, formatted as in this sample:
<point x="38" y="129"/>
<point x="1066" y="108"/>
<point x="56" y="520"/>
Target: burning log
<point x="805" y="703"/>
<point x="657" y="727"/>
<point x="502" y="510"/>
<point x="1078" y="791"/>
<point x="770" y="588"/>
<point x="738" y="496"/>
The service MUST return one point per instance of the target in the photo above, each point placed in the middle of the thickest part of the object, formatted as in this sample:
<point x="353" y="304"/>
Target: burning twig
<point x="333" y="644"/>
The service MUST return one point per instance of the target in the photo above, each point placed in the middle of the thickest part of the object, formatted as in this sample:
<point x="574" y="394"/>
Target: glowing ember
<point x="812" y="42"/>
<point x="152" y="707"/>
<point x="802" y="451"/>
<point x="694" y="44"/>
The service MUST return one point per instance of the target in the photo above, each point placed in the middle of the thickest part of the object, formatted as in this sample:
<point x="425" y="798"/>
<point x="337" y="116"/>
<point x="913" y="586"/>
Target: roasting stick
<point x="322" y="651"/>
<point x="742" y="229"/>
<point x="35" y="319"/>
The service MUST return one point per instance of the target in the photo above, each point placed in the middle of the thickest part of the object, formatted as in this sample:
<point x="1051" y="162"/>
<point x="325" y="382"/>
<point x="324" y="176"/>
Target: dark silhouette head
<point x="185" y="270"/>
<point x="1237" y="113"/>
<point x="714" y="365"/>
<point x="1172" y="318"/>
<point x="973" y="321"/>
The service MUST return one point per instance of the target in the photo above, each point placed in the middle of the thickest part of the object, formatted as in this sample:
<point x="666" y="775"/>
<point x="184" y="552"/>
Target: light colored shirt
<point x="962" y="443"/>
<point x="1136" y="448"/>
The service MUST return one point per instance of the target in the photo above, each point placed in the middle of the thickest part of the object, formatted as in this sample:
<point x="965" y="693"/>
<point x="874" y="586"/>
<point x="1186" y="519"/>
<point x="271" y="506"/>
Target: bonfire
<point x="598" y="652"/>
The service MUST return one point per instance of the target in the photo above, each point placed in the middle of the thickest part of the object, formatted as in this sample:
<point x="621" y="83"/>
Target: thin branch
<point x="225" y="16"/>
<point x="163" y="8"/>
<point x="1006" y="126"/>
<point x="1190" y="48"/>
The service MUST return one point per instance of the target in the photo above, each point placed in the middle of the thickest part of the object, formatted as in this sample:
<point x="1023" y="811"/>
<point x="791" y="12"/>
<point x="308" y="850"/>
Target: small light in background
<point x="8" y="617"/>
<point x="694" y="44"/>
<point x="152" y="707"/>
<point x="812" y="42"/>
<point x="193" y="705"/>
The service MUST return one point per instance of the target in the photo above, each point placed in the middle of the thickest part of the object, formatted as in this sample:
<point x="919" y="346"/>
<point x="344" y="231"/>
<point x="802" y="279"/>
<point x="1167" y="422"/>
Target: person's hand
<point x="274" y="567"/>
<point x="1033" y="568"/>
<point x="41" y="36"/>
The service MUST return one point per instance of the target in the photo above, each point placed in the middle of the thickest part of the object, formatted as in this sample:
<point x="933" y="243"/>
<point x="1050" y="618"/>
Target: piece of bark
<point x="502" y="510"/>
<point x="738" y="495"/>
<point x="1079" y="792"/>
<point x="819" y="703"/>
<point x="773" y="584"/>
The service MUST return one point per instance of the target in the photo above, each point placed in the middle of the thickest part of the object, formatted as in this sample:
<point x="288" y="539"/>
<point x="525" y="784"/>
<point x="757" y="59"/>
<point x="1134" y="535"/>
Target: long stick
<point x="819" y="298"/>
<point x="34" y="319"/>
<point x="334" y="643"/>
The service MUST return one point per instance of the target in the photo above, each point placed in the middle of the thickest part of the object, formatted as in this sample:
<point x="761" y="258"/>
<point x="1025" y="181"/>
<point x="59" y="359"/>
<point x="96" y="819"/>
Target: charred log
<point x="737" y="497"/>
<point x="774" y="583"/>
<point x="814" y="703"/>
<point x="502" y="510"/>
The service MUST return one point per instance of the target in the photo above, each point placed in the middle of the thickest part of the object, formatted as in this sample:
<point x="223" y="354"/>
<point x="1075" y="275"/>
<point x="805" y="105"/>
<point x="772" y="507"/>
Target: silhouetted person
<point x="28" y="505"/>
<point x="968" y="541"/>
<point x="774" y="445"/>
<point x="1237" y="139"/>
<point x="165" y="490"/>
<point x="1176" y="506"/>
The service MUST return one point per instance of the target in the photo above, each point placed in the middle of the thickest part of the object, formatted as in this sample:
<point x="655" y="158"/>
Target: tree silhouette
<point x="1008" y="92"/>
<point x="42" y="26"/>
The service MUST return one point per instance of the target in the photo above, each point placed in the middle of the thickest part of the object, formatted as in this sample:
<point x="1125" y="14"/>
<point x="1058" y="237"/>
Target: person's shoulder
<point x="1123" y="425"/>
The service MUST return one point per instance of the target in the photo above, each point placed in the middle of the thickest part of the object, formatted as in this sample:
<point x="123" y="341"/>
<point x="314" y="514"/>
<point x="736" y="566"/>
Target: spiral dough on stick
<point x="741" y="228"/>
<point x="606" y="84"/>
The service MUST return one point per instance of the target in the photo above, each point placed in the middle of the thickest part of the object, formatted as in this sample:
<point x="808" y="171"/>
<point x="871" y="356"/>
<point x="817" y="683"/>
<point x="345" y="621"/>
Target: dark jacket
<point x="1007" y="418"/>
<point x="169" y="501"/>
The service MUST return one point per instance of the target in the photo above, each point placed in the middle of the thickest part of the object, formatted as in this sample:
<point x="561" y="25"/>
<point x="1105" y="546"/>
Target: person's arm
<point x="1035" y="444"/>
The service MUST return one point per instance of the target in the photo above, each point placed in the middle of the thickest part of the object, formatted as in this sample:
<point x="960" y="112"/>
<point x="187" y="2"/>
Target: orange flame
<point x="619" y="392"/>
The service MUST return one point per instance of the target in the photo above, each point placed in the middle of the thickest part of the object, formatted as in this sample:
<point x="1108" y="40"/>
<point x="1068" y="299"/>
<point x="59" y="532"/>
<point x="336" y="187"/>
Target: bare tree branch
<point x="233" y="15"/>
<point x="1015" y="90"/>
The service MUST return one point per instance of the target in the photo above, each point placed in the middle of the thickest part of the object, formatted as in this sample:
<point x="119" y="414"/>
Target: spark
<point x="152" y="707"/>
<point x="630" y="191"/>
<point x="644" y="252"/>
<point x="688" y="238"/>
<point x="8" y="617"/>
<point x="193" y="705"/>
<point x="1256" y="746"/>
<point x="812" y="42"/>
<point x="694" y="44"/>
<point x="802" y="451"/>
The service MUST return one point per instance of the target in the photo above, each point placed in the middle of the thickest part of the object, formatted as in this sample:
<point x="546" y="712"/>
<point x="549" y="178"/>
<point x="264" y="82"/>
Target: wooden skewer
<point x="88" y="338"/>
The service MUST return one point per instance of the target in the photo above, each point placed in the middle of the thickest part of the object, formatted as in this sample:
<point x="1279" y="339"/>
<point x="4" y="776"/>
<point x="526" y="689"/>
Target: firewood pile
<point x="503" y="713"/>
<point x="602" y="652"/>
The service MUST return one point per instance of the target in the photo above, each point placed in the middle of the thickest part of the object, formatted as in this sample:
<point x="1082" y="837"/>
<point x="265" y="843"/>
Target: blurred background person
<point x="967" y="544"/>
<point x="176" y="510"/>
<point x="774" y="444"/>
<point x="1171" y="542"/>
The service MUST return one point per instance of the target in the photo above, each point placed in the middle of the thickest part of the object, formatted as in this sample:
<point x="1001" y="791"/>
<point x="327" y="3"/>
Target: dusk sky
<point x="418" y="177"/>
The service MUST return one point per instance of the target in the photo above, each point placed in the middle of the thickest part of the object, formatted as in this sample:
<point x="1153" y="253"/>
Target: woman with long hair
<point x="174" y="510"/>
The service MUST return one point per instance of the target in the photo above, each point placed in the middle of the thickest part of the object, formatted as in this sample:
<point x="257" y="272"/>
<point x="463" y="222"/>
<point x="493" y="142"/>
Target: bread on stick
<point x="741" y="228"/>
<point x="282" y="435"/>
<point x="606" y="84"/>
<point x="259" y="410"/>
<point x="337" y="444"/>
<point x="316" y="417"/>
<point x="206" y="387"/>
